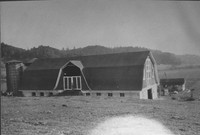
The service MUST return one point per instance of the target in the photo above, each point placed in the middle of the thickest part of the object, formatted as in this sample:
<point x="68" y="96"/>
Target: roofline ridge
<point x="115" y="53"/>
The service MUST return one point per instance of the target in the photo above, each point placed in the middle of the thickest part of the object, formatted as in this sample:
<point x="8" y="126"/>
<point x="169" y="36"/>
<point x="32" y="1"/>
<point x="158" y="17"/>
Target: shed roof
<point x="172" y="81"/>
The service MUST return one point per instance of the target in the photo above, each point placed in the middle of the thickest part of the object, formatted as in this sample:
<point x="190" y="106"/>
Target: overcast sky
<point x="162" y="25"/>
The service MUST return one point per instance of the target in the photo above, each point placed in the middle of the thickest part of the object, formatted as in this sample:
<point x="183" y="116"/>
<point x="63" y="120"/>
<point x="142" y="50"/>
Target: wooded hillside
<point x="9" y="52"/>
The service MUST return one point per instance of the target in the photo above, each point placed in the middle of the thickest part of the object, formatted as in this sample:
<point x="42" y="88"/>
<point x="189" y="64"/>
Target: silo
<point x="14" y="70"/>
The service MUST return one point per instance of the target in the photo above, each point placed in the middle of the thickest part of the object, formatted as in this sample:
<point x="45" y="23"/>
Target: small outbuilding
<point x="132" y="74"/>
<point x="172" y="85"/>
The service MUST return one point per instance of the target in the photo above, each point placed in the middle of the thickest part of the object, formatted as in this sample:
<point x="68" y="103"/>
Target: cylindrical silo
<point x="14" y="70"/>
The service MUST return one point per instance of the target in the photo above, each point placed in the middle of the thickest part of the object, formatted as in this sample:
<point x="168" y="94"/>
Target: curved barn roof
<point x="106" y="60"/>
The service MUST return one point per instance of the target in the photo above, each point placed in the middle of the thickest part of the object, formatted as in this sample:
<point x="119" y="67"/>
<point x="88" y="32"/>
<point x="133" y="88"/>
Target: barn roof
<point x="106" y="60"/>
<point x="112" y="60"/>
<point x="172" y="81"/>
<point x="43" y="73"/>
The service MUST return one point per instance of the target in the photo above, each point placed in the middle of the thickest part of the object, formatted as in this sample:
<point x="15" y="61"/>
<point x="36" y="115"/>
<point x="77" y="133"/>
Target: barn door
<point x="72" y="83"/>
<point x="149" y="93"/>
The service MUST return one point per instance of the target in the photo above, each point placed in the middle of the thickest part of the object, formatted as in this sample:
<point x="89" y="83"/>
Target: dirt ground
<point x="79" y="115"/>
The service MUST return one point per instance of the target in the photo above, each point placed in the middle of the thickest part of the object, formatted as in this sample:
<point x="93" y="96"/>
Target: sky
<point x="169" y="26"/>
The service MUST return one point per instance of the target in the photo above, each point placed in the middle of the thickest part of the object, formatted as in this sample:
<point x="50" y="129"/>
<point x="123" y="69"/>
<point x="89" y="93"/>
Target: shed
<point x="172" y="84"/>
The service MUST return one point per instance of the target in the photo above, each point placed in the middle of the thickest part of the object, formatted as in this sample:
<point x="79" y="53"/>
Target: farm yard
<point x="100" y="68"/>
<point x="80" y="115"/>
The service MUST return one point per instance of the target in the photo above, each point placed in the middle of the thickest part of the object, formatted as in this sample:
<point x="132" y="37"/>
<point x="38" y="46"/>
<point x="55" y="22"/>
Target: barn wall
<point x="127" y="94"/>
<point x="114" y="78"/>
<point x="144" y="92"/>
<point x="39" y="79"/>
<point x="28" y="93"/>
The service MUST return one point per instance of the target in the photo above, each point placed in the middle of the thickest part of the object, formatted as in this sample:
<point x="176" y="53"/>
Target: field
<point x="79" y="115"/>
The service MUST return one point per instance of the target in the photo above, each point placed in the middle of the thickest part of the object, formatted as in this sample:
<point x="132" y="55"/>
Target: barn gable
<point x="71" y="70"/>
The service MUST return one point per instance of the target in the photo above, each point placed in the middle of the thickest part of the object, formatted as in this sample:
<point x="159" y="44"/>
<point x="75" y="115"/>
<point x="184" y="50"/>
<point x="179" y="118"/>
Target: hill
<point x="189" y="59"/>
<point x="10" y="52"/>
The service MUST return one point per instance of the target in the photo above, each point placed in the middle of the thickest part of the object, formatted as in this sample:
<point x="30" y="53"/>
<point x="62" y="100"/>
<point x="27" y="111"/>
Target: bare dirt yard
<point x="79" y="115"/>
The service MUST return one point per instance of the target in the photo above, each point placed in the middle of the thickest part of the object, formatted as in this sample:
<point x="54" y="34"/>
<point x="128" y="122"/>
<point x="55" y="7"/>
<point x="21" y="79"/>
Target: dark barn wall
<point x="39" y="79"/>
<point x="114" y="78"/>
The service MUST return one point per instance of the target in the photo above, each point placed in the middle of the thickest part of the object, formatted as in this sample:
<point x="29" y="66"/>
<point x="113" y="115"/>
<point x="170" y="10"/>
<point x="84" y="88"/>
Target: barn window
<point x="110" y="94"/>
<point x="98" y="94"/>
<point x="33" y="94"/>
<point x="87" y="94"/>
<point x="122" y="94"/>
<point x="41" y="94"/>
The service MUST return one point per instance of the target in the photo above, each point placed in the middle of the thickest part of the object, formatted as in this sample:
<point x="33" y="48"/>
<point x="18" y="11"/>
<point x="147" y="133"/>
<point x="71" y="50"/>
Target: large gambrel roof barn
<point x="126" y="73"/>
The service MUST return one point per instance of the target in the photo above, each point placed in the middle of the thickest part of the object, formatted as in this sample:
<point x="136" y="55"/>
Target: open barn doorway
<point x="149" y="92"/>
<point x="72" y="83"/>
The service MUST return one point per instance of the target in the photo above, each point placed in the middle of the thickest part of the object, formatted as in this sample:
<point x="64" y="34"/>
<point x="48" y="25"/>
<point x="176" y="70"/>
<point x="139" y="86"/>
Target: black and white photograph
<point x="100" y="67"/>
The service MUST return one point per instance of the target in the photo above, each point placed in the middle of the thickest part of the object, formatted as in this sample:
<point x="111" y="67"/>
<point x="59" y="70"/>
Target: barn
<point x="132" y="74"/>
